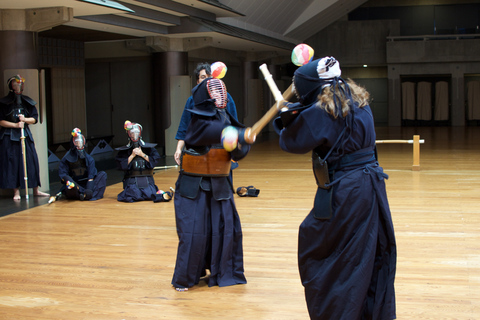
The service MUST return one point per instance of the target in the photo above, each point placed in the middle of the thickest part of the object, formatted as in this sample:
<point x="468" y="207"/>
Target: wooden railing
<point x="416" y="149"/>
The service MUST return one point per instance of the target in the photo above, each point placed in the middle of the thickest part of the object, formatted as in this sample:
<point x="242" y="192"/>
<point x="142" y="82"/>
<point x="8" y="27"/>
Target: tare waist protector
<point x="206" y="162"/>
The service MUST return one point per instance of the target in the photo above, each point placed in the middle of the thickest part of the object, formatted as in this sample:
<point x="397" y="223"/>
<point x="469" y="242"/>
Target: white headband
<point x="328" y="68"/>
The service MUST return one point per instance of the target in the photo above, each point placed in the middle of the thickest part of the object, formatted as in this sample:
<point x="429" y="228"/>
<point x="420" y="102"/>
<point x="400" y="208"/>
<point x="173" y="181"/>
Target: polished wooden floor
<point x="110" y="260"/>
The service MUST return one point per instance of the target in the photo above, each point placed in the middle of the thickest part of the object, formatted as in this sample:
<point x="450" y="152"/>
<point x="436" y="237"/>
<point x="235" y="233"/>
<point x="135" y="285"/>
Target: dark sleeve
<point x="33" y="113"/>
<point x="63" y="169"/>
<point x="204" y="131"/>
<point x="153" y="157"/>
<point x="207" y="131"/>
<point x="185" y="120"/>
<point x="231" y="107"/>
<point x="92" y="170"/>
<point x="3" y="110"/>
<point x="311" y="128"/>
<point x="122" y="159"/>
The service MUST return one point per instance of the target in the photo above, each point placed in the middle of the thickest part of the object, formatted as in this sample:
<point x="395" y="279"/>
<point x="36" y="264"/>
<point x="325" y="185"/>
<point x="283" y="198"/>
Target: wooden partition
<point x="67" y="102"/>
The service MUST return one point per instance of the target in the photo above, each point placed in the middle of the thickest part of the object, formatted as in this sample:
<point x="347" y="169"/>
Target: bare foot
<point x="41" y="194"/>
<point x="38" y="193"/>
<point x="16" y="194"/>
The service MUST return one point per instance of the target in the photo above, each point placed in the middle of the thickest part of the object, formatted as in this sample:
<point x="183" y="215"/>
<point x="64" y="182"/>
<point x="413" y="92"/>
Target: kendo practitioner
<point x="208" y="224"/>
<point x="346" y="244"/>
<point x="18" y="111"/>
<point x="78" y="174"/>
<point x="202" y="72"/>
<point x="138" y="159"/>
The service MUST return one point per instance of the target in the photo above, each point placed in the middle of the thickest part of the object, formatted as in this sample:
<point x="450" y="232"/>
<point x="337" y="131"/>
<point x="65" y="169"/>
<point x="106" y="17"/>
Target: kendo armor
<point x="78" y="169"/>
<point x="16" y="103"/>
<point x="138" y="165"/>
<point x="210" y="97"/>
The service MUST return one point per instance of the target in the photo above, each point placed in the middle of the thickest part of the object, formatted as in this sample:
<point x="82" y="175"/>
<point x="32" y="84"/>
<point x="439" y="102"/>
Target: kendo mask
<point x="208" y="96"/>
<point x="218" y="92"/>
<point x="134" y="131"/>
<point x="79" y="142"/>
<point x="310" y="79"/>
<point x="16" y="84"/>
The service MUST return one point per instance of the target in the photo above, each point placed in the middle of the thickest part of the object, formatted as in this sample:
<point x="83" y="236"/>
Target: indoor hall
<point x="111" y="260"/>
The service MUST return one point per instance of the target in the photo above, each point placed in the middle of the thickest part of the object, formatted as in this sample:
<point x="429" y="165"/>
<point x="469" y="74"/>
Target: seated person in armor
<point x="208" y="224"/>
<point x="78" y="174"/>
<point x="138" y="159"/>
<point x="17" y="113"/>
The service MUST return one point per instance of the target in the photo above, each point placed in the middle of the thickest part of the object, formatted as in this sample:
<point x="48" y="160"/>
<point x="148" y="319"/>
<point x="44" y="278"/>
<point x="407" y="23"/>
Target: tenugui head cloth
<point x="203" y="104"/>
<point x="312" y="77"/>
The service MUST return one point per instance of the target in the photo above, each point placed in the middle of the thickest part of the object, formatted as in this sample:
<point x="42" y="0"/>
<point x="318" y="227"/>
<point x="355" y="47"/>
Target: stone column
<point x="18" y="34"/>
<point x="250" y="75"/>
<point x="170" y="63"/>
<point x="165" y="65"/>
<point x="394" y="97"/>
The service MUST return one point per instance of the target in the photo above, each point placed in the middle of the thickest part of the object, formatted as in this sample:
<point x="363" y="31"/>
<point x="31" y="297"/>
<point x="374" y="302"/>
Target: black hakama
<point x="137" y="188"/>
<point x="208" y="224"/>
<point x="347" y="263"/>
<point x="11" y="158"/>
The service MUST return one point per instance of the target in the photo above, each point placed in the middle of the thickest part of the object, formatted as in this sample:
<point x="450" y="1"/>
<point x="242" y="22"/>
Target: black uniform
<point x="11" y="161"/>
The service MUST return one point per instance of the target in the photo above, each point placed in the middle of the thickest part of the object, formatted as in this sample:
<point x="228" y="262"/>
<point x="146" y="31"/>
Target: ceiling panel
<point x="266" y="25"/>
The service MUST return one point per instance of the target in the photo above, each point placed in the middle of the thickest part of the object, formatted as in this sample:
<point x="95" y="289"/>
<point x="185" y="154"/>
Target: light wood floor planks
<point x="110" y="260"/>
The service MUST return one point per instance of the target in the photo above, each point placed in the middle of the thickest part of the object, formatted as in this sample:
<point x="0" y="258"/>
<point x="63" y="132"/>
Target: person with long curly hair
<point x="346" y="244"/>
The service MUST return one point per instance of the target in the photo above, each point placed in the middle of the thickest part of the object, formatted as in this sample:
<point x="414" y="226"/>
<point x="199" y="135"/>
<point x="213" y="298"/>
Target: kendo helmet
<point x="78" y="139"/>
<point x="18" y="82"/>
<point x="218" y="92"/>
<point x="208" y="96"/>
<point x="134" y="130"/>
<point x="311" y="78"/>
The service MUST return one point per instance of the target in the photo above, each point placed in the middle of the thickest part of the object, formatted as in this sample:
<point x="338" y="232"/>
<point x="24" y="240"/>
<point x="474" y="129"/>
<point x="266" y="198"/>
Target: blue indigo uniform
<point x="11" y="159"/>
<point x="208" y="224"/>
<point x="79" y="170"/>
<point x="187" y="116"/>
<point x="347" y="262"/>
<point x="138" y="182"/>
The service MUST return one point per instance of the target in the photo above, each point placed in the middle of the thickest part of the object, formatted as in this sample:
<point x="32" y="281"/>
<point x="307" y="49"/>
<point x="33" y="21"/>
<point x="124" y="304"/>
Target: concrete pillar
<point x="18" y="55"/>
<point x="394" y="98"/>
<point x="250" y="72"/>
<point x="18" y="34"/>
<point x="165" y="65"/>
<point x="17" y="50"/>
